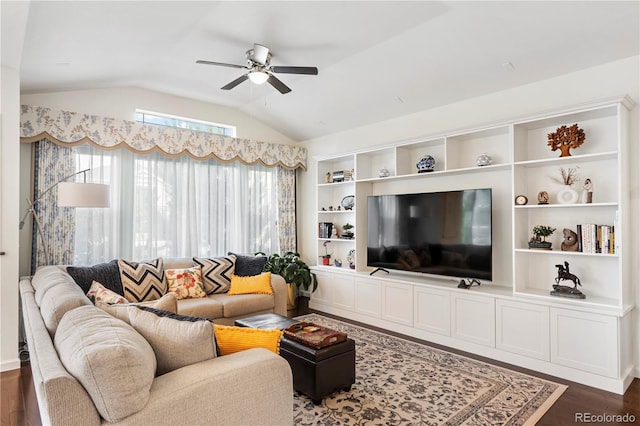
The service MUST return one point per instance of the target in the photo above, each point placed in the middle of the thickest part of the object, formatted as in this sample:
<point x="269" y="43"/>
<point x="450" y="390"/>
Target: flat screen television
<point x="442" y="233"/>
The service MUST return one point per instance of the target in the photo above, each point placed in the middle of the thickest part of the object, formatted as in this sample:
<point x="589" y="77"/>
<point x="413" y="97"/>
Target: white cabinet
<point x="473" y="318"/>
<point x="334" y="290"/>
<point x="397" y="303"/>
<point x="368" y="296"/>
<point x="522" y="328"/>
<point x="585" y="341"/>
<point x="432" y="310"/>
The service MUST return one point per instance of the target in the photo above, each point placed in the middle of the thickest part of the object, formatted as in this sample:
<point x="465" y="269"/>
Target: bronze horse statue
<point x="564" y="274"/>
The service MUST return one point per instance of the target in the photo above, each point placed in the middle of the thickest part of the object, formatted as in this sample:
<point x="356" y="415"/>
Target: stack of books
<point x="325" y="229"/>
<point x="593" y="238"/>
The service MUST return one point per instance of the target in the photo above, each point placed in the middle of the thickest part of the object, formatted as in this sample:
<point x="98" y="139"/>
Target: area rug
<point x="400" y="382"/>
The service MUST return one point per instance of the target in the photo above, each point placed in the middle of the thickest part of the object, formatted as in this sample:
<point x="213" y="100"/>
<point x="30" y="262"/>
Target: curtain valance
<point x="70" y="128"/>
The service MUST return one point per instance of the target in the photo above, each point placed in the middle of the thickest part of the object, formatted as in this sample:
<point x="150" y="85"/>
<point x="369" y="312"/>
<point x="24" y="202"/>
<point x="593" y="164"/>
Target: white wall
<point x="122" y="102"/>
<point x="9" y="171"/>
<point x="612" y="79"/>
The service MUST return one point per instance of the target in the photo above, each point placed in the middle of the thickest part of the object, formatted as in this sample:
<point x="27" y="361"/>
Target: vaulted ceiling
<point x="377" y="60"/>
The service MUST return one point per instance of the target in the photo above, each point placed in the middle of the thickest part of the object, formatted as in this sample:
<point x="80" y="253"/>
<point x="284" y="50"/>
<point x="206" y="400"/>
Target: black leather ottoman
<point x="316" y="372"/>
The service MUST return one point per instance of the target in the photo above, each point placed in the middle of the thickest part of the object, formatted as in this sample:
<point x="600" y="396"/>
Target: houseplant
<point x="540" y="233"/>
<point x="347" y="233"/>
<point x="326" y="257"/>
<point x="295" y="272"/>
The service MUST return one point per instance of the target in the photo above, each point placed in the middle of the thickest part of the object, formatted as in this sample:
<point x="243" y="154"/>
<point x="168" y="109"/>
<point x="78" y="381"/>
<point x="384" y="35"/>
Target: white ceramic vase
<point x="568" y="195"/>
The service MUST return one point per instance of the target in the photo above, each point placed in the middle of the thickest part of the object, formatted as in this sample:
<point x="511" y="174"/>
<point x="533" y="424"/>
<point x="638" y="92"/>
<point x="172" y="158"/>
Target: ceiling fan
<point x="261" y="70"/>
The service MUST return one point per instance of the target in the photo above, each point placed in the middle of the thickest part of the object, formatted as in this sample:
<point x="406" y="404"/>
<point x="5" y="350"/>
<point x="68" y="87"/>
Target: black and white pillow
<point x="216" y="273"/>
<point x="142" y="281"/>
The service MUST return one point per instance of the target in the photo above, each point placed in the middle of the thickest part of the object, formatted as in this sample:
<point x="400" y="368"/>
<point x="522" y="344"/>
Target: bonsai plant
<point x="540" y="233"/>
<point x="294" y="271"/>
<point x="347" y="233"/>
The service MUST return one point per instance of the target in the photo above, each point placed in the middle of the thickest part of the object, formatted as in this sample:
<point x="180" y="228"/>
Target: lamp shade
<point x="78" y="194"/>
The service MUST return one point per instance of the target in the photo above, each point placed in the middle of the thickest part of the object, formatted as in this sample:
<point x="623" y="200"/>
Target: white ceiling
<point x="377" y="60"/>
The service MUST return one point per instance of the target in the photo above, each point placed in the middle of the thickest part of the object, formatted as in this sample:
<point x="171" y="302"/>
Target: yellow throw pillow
<point x="185" y="283"/>
<point x="256" y="284"/>
<point x="230" y="339"/>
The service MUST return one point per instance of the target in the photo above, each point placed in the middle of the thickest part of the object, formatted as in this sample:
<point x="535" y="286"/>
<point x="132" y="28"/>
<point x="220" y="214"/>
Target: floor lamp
<point x="70" y="194"/>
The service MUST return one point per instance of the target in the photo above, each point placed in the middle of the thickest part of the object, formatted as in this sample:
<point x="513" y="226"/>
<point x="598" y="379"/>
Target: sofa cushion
<point x="185" y="283"/>
<point x="207" y="307"/>
<point x="176" y="340"/>
<point x="142" y="281"/>
<point x="108" y="274"/>
<point x="113" y="362"/>
<point x="256" y="284"/>
<point x="99" y="293"/>
<point x="243" y="304"/>
<point x="168" y="303"/>
<point x="64" y="296"/>
<point x="216" y="273"/>
<point x="248" y="265"/>
<point x="231" y="339"/>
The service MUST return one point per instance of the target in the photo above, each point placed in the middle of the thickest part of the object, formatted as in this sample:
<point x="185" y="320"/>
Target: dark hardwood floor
<point x="20" y="407"/>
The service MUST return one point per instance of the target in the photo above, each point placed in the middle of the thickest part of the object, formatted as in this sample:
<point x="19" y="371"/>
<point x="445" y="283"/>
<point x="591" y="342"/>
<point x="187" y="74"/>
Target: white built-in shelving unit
<point x="512" y="318"/>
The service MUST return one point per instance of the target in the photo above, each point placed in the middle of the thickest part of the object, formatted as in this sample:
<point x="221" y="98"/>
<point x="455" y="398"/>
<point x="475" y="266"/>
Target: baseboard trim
<point x="9" y="365"/>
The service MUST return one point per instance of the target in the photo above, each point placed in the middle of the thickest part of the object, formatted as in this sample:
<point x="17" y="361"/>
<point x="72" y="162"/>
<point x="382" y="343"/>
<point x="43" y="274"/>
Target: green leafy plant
<point x="347" y="226"/>
<point x="543" y="231"/>
<point x="294" y="270"/>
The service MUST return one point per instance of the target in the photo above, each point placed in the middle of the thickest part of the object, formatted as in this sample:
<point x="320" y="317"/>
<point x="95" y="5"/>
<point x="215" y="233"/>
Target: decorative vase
<point x="292" y="297"/>
<point x="384" y="172"/>
<point x="568" y="195"/>
<point x="326" y="260"/>
<point x="426" y="164"/>
<point x="338" y="263"/>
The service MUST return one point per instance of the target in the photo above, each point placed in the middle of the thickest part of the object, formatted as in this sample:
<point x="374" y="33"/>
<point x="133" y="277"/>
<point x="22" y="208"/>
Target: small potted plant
<point x="326" y="257"/>
<point x="347" y="234"/>
<point x="540" y="233"/>
<point x="295" y="272"/>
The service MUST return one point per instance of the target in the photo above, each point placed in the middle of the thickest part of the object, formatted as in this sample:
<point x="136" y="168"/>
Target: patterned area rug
<point x="399" y="382"/>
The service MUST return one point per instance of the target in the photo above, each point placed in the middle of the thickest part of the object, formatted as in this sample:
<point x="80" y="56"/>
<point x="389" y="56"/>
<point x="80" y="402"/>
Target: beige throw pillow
<point x="168" y="303"/>
<point x="113" y="362"/>
<point x="176" y="340"/>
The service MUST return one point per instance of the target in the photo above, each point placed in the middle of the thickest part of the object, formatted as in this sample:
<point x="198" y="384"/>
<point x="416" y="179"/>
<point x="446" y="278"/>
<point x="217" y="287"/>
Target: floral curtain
<point x="52" y="163"/>
<point x="107" y="133"/>
<point x="286" y="183"/>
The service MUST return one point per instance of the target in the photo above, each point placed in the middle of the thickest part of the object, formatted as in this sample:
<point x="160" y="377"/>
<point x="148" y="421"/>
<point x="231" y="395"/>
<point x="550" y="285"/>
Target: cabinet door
<point x="368" y="297"/>
<point x="397" y="303"/>
<point x="322" y="295"/>
<point x="432" y="310"/>
<point x="343" y="292"/>
<point x="473" y="318"/>
<point x="522" y="328"/>
<point x="585" y="341"/>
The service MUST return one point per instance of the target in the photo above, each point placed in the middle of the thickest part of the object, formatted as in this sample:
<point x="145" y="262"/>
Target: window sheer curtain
<point x="180" y="207"/>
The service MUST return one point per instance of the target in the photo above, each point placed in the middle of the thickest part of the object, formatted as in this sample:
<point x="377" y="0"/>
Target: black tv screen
<point x="441" y="233"/>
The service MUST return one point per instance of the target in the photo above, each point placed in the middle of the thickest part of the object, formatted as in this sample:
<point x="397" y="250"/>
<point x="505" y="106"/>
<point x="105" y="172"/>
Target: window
<point x="175" y="207"/>
<point x="149" y="117"/>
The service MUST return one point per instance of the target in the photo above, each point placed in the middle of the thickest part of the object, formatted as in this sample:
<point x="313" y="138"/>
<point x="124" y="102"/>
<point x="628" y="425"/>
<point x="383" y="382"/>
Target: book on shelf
<point x="594" y="238"/>
<point x="325" y="229"/>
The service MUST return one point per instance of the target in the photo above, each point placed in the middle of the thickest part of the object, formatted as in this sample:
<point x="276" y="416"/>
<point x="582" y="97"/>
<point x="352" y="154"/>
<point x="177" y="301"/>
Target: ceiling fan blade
<point x="235" y="82"/>
<point x="222" y="64"/>
<point x="260" y="53"/>
<point x="295" y="70"/>
<point x="280" y="86"/>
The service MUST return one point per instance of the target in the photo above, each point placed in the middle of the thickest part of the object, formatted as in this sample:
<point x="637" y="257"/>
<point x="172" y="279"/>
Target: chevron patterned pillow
<point x="216" y="273"/>
<point x="142" y="281"/>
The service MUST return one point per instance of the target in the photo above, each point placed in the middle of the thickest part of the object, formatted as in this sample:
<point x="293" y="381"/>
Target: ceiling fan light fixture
<point x="258" y="77"/>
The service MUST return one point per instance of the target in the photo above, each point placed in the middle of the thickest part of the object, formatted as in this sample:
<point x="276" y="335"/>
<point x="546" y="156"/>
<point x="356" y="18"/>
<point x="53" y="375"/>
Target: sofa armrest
<point x="279" y="294"/>
<point x="249" y="387"/>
